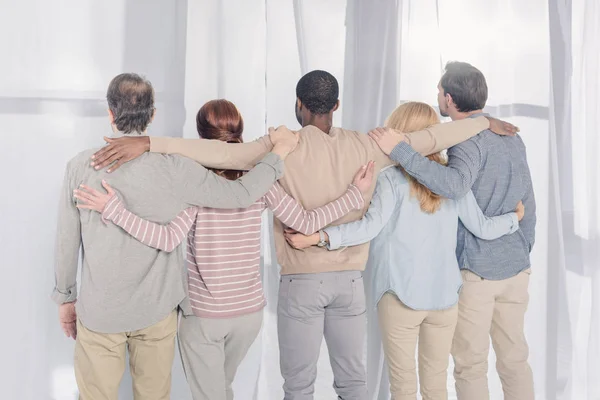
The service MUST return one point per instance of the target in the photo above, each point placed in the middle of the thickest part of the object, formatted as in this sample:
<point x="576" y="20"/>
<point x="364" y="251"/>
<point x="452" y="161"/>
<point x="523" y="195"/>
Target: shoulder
<point x="393" y="175"/>
<point x="81" y="161"/>
<point x="472" y="145"/>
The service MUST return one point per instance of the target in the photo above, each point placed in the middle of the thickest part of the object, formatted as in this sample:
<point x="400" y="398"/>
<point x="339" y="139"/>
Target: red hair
<point x="221" y="120"/>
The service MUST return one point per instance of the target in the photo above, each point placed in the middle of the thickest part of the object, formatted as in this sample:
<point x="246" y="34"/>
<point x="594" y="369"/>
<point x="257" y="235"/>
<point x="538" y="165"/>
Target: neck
<point x="117" y="131"/>
<point x="323" y="122"/>
<point x="457" y="115"/>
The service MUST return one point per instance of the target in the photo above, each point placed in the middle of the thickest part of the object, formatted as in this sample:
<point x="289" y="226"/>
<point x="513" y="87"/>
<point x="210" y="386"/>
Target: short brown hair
<point x="466" y="84"/>
<point x="131" y="100"/>
<point x="221" y="120"/>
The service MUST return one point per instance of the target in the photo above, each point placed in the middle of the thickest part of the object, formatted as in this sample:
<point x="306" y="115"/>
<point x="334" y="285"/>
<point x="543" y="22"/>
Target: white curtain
<point x="541" y="61"/>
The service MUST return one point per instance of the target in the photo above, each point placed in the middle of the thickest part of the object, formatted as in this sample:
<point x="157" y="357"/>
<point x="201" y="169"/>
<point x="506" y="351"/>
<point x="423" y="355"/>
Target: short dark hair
<point x="131" y="99"/>
<point x="466" y="84"/>
<point x="318" y="91"/>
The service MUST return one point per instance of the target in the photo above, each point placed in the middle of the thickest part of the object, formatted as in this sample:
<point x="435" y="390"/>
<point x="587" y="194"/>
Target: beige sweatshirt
<point x="318" y="172"/>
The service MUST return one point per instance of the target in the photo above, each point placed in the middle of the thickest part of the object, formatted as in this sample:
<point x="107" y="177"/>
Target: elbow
<point x="457" y="193"/>
<point x="246" y="203"/>
<point x="486" y="236"/>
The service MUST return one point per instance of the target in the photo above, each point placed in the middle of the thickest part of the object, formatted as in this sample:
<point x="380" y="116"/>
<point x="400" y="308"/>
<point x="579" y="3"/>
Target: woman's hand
<point x="91" y="199"/>
<point x="520" y="210"/>
<point x="386" y="138"/>
<point x="300" y="241"/>
<point x="364" y="177"/>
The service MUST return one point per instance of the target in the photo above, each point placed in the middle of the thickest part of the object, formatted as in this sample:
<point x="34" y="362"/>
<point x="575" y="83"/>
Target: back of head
<point x="221" y="120"/>
<point x="466" y="84"/>
<point x="131" y="102"/>
<point x="410" y="117"/>
<point x="318" y="91"/>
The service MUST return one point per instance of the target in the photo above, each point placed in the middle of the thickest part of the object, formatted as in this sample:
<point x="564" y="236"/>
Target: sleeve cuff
<point x="402" y="153"/>
<point x="112" y="209"/>
<point x="335" y="239"/>
<point x="64" y="297"/>
<point x="274" y="161"/>
<point x="159" y="144"/>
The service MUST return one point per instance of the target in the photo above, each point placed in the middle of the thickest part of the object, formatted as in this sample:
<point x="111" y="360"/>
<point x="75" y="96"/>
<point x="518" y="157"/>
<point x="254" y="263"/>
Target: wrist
<point x="281" y="150"/>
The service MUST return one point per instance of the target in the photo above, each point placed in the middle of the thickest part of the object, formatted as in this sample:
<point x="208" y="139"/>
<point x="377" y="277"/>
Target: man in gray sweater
<point x="130" y="292"/>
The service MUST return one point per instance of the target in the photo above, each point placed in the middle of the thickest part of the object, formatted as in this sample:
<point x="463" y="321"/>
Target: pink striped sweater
<point x="223" y="252"/>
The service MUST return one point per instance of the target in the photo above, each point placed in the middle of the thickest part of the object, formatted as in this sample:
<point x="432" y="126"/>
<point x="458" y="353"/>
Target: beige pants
<point x="100" y="361"/>
<point x="401" y="327"/>
<point x="496" y="309"/>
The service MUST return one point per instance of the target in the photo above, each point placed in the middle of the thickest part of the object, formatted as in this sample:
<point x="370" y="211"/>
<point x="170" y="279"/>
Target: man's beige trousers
<point x="497" y="309"/>
<point x="100" y="361"/>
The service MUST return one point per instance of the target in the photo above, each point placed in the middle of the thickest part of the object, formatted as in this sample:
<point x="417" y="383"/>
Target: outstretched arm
<point x="159" y="236"/>
<point x="487" y="228"/>
<point x="210" y="153"/>
<point x="357" y="232"/>
<point x="162" y="237"/>
<point x="452" y="181"/>
<point x="289" y="211"/>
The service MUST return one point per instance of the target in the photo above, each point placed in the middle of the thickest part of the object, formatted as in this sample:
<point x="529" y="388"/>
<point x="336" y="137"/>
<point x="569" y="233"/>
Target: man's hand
<point x="503" y="128"/>
<point x="520" y="210"/>
<point x="300" y="241"/>
<point x="119" y="151"/>
<point x="386" y="138"/>
<point x="284" y="141"/>
<point x="364" y="177"/>
<point x="67" y="316"/>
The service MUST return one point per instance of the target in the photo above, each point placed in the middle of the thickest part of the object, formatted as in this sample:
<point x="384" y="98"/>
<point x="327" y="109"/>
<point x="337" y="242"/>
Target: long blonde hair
<point x="410" y="117"/>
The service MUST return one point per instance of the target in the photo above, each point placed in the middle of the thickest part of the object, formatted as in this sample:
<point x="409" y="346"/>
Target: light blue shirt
<point x="412" y="253"/>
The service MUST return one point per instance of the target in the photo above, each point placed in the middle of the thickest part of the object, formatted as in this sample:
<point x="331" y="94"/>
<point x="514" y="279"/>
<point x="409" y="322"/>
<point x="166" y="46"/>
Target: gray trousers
<point x="311" y="306"/>
<point x="212" y="349"/>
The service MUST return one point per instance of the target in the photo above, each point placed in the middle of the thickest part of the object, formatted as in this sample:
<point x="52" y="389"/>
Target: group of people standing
<point x="445" y="242"/>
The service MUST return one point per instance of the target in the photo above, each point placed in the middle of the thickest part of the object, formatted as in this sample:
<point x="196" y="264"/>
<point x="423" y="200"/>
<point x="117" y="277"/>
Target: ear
<point x="153" y="115"/>
<point x="111" y="116"/>
<point x="299" y="103"/>
<point x="449" y="101"/>
<point x="337" y="105"/>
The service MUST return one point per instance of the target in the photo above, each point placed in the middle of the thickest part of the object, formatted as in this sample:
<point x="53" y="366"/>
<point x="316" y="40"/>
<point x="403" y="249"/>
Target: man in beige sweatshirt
<point x="321" y="292"/>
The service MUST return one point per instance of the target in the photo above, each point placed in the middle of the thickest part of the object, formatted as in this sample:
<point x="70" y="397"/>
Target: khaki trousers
<point x="100" y="361"/>
<point x="401" y="328"/>
<point x="497" y="309"/>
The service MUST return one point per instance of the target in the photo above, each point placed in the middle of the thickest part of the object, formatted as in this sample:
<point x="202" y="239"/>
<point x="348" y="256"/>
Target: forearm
<point x="215" y="153"/>
<point x="352" y="234"/>
<point x="65" y="270"/>
<point x="443" y="136"/>
<point x="445" y="181"/>
<point x="292" y="214"/>
<point x="68" y="243"/>
<point x="162" y="237"/>
<point x="217" y="192"/>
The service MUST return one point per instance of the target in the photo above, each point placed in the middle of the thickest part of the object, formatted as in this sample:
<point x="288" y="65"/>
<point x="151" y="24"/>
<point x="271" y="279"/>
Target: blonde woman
<point x="412" y="261"/>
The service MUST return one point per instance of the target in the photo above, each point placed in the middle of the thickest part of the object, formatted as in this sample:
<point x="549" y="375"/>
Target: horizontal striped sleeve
<point x="161" y="237"/>
<point x="290" y="212"/>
